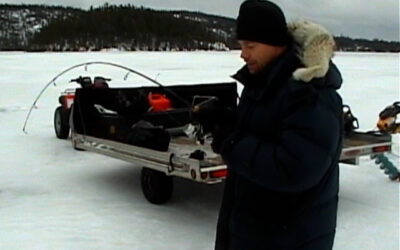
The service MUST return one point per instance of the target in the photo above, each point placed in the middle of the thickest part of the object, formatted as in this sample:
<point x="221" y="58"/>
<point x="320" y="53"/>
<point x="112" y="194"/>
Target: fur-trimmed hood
<point x="315" y="46"/>
<point x="307" y="59"/>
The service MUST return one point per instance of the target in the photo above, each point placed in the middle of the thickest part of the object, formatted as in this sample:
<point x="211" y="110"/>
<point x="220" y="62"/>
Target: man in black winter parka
<point x="283" y="150"/>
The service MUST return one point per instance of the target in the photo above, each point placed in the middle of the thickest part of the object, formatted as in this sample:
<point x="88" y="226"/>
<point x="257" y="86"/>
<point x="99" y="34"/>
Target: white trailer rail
<point x="159" y="167"/>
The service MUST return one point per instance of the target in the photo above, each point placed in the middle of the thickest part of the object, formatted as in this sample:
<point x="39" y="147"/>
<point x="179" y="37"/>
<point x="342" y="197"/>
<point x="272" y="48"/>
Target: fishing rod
<point x="86" y="64"/>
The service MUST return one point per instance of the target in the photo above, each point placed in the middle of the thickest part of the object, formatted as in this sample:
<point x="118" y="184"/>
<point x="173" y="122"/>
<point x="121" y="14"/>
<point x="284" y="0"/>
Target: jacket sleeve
<point x="300" y="155"/>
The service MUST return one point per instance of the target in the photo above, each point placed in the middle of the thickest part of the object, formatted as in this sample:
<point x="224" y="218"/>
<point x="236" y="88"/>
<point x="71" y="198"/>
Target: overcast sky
<point x="355" y="18"/>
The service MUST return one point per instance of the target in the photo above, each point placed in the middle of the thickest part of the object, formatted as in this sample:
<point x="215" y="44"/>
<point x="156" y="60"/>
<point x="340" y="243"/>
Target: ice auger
<point x="387" y="166"/>
<point x="387" y="124"/>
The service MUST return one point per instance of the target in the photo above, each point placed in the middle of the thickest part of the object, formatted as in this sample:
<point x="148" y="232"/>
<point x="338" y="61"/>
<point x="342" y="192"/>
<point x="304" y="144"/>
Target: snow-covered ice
<point x="53" y="197"/>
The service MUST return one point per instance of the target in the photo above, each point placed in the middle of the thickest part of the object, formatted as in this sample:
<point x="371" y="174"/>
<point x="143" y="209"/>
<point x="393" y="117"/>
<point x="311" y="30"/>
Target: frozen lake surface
<point x="53" y="197"/>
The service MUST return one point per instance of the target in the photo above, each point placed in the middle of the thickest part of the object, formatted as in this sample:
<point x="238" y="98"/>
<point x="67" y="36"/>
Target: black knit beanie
<point x="261" y="21"/>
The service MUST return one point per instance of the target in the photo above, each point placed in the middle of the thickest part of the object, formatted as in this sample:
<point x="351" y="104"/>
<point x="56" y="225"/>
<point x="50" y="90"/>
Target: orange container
<point x="159" y="102"/>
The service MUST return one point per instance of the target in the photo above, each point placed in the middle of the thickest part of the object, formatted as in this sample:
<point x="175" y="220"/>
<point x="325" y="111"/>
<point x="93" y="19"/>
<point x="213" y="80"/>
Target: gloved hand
<point x="219" y="135"/>
<point x="213" y="114"/>
<point x="217" y="119"/>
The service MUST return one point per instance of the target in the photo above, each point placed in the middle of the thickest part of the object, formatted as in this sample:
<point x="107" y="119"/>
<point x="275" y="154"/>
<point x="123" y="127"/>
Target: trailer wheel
<point x="156" y="186"/>
<point x="61" y="126"/>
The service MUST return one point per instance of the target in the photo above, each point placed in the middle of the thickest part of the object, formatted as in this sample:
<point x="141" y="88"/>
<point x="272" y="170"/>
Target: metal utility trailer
<point x="147" y="126"/>
<point x="176" y="161"/>
<point x="357" y="144"/>
<point x="100" y="121"/>
<point x="160" y="167"/>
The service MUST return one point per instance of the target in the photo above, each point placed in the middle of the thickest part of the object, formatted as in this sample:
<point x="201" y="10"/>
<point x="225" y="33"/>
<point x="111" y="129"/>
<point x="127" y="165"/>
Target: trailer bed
<point x="110" y="133"/>
<point x="177" y="161"/>
<point x="364" y="143"/>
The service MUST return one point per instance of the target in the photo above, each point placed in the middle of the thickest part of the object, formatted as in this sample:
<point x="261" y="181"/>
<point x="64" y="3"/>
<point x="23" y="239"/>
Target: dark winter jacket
<point x="282" y="156"/>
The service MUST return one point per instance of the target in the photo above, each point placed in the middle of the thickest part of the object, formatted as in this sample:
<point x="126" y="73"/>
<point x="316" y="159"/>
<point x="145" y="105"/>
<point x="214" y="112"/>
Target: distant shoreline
<point x="187" y="51"/>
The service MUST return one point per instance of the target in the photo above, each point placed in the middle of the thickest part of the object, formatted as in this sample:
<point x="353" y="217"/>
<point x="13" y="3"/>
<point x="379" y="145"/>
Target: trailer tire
<point x="156" y="186"/>
<point x="61" y="126"/>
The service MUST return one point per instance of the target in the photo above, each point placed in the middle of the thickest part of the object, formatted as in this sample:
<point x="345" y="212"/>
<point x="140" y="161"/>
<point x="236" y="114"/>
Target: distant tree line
<point x="349" y="44"/>
<point x="38" y="7"/>
<point x="19" y="23"/>
<point x="124" y="27"/>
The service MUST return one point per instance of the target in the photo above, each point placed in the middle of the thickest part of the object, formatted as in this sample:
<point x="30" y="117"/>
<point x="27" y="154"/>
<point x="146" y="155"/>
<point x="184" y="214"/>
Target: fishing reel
<point x="214" y="118"/>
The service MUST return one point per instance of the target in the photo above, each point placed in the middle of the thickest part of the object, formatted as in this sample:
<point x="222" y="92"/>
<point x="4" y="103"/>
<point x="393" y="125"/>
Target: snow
<point x="53" y="197"/>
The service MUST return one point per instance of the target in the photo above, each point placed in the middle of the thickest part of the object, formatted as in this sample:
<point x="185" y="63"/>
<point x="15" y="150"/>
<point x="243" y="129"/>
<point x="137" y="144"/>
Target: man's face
<point x="258" y="55"/>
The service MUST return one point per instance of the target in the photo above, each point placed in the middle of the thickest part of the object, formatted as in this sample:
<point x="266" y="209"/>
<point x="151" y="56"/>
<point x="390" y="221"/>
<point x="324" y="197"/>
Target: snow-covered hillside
<point x="53" y="197"/>
<point x="18" y="24"/>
